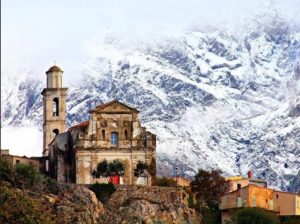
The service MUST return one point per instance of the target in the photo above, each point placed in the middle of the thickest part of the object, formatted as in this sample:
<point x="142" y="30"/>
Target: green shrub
<point x="255" y="216"/>
<point x="5" y="171"/>
<point x="165" y="182"/>
<point x="25" y="176"/>
<point x="103" y="191"/>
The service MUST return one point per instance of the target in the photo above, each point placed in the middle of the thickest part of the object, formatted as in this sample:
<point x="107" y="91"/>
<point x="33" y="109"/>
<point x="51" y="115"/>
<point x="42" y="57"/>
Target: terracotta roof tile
<point x="82" y="124"/>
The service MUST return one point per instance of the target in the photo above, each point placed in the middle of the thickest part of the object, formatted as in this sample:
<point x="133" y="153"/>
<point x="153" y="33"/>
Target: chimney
<point x="250" y="174"/>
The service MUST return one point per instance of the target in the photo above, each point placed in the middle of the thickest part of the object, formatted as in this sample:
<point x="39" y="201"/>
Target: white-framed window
<point x="114" y="138"/>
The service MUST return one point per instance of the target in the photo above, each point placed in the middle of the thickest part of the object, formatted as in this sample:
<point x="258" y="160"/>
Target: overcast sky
<point x="37" y="32"/>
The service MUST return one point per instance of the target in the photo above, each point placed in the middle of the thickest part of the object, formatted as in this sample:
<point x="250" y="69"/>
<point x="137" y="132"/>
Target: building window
<point x="266" y="200"/>
<point x="55" y="107"/>
<point x="17" y="161"/>
<point x="126" y="134"/>
<point x="239" y="186"/>
<point x="103" y="134"/>
<point x="277" y="196"/>
<point x="114" y="138"/>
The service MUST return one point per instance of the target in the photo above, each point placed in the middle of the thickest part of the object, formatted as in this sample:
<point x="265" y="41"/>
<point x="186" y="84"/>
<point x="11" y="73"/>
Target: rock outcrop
<point x="140" y="204"/>
<point x="74" y="204"/>
<point x="78" y="205"/>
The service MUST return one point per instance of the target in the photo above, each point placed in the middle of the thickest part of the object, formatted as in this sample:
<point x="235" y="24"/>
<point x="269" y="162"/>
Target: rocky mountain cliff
<point x="215" y="99"/>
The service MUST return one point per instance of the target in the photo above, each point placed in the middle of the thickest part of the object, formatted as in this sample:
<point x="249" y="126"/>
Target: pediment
<point x="114" y="107"/>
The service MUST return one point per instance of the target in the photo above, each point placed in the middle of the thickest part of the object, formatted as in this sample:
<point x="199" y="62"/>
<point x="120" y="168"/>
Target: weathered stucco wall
<point x="260" y="197"/>
<point x="286" y="203"/>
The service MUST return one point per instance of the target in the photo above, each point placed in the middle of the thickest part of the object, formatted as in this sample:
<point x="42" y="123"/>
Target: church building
<point x="112" y="133"/>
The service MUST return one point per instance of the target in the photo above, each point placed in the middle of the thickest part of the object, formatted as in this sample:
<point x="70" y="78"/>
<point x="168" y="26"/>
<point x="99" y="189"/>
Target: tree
<point x="102" y="169"/>
<point x="208" y="187"/>
<point x="255" y="216"/>
<point x="116" y="168"/>
<point x="105" y="169"/>
<point x="140" y="169"/>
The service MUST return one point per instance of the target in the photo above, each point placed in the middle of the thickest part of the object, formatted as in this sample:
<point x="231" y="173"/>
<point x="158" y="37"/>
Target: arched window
<point x="55" y="107"/>
<point x="55" y="132"/>
<point x="103" y="134"/>
<point x="126" y="134"/>
<point x="114" y="138"/>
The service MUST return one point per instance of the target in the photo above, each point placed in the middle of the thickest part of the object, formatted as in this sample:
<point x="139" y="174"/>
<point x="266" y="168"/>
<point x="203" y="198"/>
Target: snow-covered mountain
<point x="215" y="99"/>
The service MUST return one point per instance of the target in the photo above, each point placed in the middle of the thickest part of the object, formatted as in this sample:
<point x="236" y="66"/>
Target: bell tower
<point x="54" y="102"/>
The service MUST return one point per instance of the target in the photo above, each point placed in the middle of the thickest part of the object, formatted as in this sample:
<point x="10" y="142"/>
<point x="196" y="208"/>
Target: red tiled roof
<point x="82" y="124"/>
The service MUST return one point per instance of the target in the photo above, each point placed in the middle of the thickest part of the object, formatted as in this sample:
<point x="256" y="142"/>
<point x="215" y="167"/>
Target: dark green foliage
<point x="208" y="187"/>
<point x="116" y="168"/>
<point x="102" y="169"/>
<point x="211" y="216"/>
<point x="103" y="191"/>
<point x="5" y="171"/>
<point x="165" y="182"/>
<point x="140" y="169"/>
<point x="25" y="176"/>
<point x="191" y="201"/>
<point x="105" y="169"/>
<point x="255" y="216"/>
<point x="290" y="220"/>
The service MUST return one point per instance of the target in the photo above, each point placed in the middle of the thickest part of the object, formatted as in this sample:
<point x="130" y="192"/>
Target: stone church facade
<point x="113" y="132"/>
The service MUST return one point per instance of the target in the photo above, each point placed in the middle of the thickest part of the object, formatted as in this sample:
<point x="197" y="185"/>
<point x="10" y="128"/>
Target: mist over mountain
<point x="215" y="99"/>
